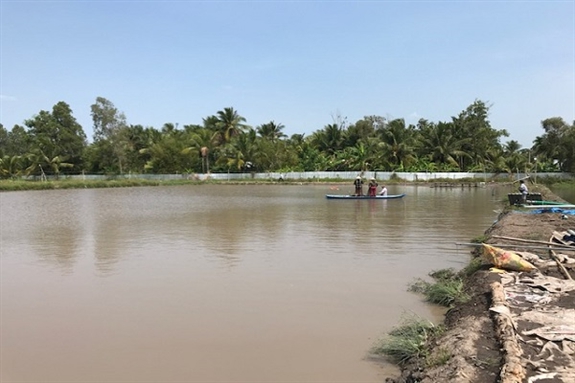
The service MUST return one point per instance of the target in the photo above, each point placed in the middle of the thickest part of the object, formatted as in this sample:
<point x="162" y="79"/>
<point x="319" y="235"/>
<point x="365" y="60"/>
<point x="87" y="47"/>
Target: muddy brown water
<point x="219" y="283"/>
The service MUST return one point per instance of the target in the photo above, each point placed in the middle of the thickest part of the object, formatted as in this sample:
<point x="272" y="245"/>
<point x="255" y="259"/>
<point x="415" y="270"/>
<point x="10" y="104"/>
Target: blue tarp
<point x="553" y="210"/>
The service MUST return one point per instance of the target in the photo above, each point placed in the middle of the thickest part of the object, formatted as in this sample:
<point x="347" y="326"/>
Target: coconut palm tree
<point x="240" y="153"/>
<point x="229" y="124"/>
<point x="515" y="160"/>
<point x="398" y="143"/>
<point x="202" y="141"/>
<point x="271" y="131"/>
<point x="358" y="157"/>
<point x="328" y="140"/>
<point x="444" y="147"/>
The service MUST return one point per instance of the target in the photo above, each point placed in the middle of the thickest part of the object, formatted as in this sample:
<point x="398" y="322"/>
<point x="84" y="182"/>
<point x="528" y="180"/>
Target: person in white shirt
<point x="523" y="190"/>
<point x="383" y="190"/>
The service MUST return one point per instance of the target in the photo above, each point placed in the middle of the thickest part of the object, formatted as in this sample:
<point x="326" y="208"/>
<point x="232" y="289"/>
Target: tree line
<point x="54" y="143"/>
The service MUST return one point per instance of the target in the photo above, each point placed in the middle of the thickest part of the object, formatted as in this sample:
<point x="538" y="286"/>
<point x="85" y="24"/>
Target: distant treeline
<point x="54" y="143"/>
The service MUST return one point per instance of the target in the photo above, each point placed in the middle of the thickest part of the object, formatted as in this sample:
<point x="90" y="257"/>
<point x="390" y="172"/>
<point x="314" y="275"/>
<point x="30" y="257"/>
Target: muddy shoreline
<point x="498" y="337"/>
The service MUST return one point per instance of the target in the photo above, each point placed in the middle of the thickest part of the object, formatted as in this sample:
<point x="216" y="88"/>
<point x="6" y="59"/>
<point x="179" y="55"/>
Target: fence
<point x="310" y="176"/>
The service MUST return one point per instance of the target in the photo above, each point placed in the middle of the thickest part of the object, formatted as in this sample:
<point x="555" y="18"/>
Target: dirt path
<point x="518" y="326"/>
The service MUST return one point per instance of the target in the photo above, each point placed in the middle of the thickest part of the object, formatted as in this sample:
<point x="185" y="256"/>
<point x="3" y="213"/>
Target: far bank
<point x="133" y="180"/>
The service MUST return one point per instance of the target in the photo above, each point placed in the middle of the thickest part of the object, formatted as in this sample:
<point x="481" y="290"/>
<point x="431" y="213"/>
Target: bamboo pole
<point x="532" y="241"/>
<point x="572" y="248"/>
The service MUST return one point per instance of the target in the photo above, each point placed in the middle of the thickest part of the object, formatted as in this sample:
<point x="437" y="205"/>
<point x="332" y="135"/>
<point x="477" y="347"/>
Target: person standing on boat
<point x="523" y="190"/>
<point x="358" y="183"/>
<point x="383" y="190"/>
<point x="372" y="187"/>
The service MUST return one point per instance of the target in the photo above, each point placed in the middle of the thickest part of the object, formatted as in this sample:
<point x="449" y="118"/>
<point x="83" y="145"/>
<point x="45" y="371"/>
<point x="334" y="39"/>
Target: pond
<point x="220" y="283"/>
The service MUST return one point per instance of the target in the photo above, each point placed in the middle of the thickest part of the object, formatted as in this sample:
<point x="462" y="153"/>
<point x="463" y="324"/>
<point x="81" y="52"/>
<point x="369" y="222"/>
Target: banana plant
<point x="55" y="163"/>
<point x="10" y="166"/>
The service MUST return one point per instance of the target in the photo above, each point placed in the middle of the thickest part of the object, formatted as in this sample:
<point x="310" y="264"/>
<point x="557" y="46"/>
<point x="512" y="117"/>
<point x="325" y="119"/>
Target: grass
<point x="443" y="274"/>
<point x="480" y="239"/>
<point x="16" y="185"/>
<point x="408" y="340"/>
<point x="556" y="181"/>
<point x="120" y="181"/>
<point x="474" y="265"/>
<point x="447" y="290"/>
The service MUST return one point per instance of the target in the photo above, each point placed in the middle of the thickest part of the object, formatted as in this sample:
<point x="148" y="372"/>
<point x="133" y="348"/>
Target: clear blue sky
<point x="298" y="63"/>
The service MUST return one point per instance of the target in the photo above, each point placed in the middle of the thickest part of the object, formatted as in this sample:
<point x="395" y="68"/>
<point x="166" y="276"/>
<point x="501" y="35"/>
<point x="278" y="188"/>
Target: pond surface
<point x="220" y="283"/>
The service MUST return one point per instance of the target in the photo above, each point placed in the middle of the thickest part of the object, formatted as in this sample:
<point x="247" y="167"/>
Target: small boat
<point x="341" y="196"/>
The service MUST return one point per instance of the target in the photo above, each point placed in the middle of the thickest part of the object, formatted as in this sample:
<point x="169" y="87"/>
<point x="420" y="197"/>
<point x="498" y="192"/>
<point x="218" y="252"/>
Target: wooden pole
<point x="560" y="265"/>
<point x="532" y="241"/>
<point x="521" y="246"/>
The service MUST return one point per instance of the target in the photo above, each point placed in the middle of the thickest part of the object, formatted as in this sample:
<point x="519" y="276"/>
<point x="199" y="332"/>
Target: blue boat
<point x="341" y="196"/>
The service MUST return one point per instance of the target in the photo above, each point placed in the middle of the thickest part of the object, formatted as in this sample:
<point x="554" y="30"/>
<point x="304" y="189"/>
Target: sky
<point x="302" y="64"/>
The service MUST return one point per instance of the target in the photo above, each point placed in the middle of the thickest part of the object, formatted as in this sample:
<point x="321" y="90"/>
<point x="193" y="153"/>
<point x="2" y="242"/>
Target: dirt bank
<point x="518" y="326"/>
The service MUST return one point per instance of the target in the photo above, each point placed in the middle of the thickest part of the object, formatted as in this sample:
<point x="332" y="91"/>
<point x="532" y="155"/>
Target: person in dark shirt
<point x="358" y="183"/>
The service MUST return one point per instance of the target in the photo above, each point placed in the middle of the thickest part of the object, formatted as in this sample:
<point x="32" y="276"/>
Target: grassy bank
<point x="19" y="184"/>
<point x="412" y="338"/>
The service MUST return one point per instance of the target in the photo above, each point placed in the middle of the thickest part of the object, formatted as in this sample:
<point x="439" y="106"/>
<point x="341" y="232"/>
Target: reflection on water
<point x="219" y="283"/>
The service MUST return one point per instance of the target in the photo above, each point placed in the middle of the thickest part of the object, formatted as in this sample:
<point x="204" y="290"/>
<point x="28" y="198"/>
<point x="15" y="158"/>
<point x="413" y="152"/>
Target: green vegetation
<point x="412" y="337"/>
<point x="447" y="290"/>
<point x="54" y="143"/>
<point x="480" y="239"/>
<point x="555" y="181"/>
<point x="115" y="182"/>
<point x="408" y="340"/>
<point x="112" y="181"/>
<point x="14" y="185"/>
<point x="474" y="265"/>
